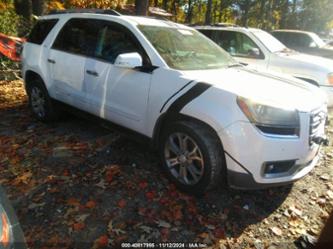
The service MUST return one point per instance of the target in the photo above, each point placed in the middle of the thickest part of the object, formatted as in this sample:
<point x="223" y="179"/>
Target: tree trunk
<point x="214" y="12"/>
<point x="23" y="8"/>
<point x="174" y="9"/>
<point x="284" y="14"/>
<point x="155" y="3"/>
<point x="246" y="13"/>
<point x="262" y="10"/>
<point x="189" y="12"/>
<point x="294" y="6"/>
<point x="141" y="7"/>
<point x="38" y="7"/>
<point x="165" y="5"/>
<point x="208" y="12"/>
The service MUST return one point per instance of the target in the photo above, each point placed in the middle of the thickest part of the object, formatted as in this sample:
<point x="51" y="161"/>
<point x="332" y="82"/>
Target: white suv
<point x="211" y="119"/>
<point x="262" y="51"/>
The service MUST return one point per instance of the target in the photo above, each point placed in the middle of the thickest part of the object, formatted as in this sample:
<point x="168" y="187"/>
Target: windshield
<point x="320" y="43"/>
<point x="186" y="49"/>
<point x="269" y="41"/>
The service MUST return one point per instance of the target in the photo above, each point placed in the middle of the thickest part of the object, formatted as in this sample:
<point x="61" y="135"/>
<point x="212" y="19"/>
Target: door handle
<point x="93" y="73"/>
<point x="51" y="61"/>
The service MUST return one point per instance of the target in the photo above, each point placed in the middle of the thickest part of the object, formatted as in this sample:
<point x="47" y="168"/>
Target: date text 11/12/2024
<point x="163" y="245"/>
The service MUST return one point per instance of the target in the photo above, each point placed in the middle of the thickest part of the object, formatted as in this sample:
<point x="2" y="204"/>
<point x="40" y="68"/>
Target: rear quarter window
<point x="41" y="30"/>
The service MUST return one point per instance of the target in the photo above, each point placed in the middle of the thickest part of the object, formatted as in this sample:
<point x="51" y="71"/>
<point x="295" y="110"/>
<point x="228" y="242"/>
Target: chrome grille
<point x="317" y="118"/>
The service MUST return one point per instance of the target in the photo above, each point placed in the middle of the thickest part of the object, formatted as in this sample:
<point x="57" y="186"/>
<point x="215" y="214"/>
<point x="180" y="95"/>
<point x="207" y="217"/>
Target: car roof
<point x="134" y="20"/>
<point x="292" y="31"/>
<point x="229" y="28"/>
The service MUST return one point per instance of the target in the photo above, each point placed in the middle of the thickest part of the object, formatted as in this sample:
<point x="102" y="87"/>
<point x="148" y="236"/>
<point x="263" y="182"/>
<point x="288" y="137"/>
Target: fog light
<point x="279" y="167"/>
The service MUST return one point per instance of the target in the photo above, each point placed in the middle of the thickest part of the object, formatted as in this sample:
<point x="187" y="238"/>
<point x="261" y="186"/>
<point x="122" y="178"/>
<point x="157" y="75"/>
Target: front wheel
<point x="192" y="157"/>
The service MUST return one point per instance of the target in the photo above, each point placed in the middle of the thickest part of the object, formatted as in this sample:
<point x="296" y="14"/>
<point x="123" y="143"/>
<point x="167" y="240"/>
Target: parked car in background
<point x="11" y="235"/>
<point x="212" y="120"/>
<point x="263" y="51"/>
<point x="304" y="41"/>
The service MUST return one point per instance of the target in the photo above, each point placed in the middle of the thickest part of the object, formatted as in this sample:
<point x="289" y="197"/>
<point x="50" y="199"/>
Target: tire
<point x="204" y="166"/>
<point x="40" y="102"/>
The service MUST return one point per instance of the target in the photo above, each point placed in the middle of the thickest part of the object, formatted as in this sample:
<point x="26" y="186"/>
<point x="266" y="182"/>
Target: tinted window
<point x="41" y="30"/>
<point x="282" y="37"/>
<point x="113" y="40"/>
<point x="206" y="32"/>
<point x="98" y="38"/>
<point x="78" y="36"/>
<point x="237" y="44"/>
<point x="299" y="40"/>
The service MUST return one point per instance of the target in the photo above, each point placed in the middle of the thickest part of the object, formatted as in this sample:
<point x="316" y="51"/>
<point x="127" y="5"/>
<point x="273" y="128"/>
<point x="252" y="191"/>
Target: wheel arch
<point x="168" y="118"/>
<point x="31" y="76"/>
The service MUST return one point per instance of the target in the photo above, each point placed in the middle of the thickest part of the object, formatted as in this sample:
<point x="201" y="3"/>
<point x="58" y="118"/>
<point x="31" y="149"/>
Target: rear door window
<point x="78" y="36"/>
<point x="41" y="30"/>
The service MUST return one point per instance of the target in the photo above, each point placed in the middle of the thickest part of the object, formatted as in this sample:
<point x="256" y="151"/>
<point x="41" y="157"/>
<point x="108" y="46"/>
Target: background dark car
<point x="11" y="235"/>
<point x="305" y="42"/>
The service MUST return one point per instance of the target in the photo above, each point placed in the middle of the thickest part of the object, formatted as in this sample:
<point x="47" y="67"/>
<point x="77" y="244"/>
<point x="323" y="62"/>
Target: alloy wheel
<point x="184" y="158"/>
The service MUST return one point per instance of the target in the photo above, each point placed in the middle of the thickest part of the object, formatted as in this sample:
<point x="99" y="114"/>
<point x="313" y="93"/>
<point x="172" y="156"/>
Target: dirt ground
<point x="75" y="184"/>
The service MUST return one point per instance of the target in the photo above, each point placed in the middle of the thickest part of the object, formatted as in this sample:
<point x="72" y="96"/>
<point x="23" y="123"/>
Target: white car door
<point x="67" y="59"/>
<point x="115" y="93"/>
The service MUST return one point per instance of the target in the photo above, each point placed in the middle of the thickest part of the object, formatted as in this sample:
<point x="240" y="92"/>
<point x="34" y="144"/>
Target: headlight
<point x="269" y="119"/>
<point x="330" y="79"/>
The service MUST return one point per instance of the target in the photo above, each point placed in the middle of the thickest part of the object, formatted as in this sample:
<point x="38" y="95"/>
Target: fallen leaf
<point x="219" y="233"/>
<point x="81" y="218"/>
<point x="103" y="241"/>
<point x="295" y="210"/>
<point x="122" y="203"/>
<point x="277" y="231"/>
<point x="143" y="184"/>
<point x="78" y="226"/>
<point x="146" y="229"/>
<point x="101" y="184"/>
<point x="150" y="195"/>
<point x="73" y="202"/>
<point x="91" y="204"/>
<point x="162" y="223"/>
<point x="329" y="194"/>
<point x="210" y="227"/>
<point x="325" y="177"/>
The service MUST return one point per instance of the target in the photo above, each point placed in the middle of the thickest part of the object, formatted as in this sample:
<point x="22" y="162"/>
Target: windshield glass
<point x="320" y="43"/>
<point x="186" y="49"/>
<point x="269" y="41"/>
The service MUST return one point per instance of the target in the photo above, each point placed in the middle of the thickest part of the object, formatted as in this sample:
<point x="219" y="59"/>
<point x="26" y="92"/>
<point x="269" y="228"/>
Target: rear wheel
<point x="40" y="102"/>
<point x="192" y="157"/>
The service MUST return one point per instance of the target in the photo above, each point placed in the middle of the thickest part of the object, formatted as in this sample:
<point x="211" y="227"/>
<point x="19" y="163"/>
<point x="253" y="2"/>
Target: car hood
<point x="310" y="60"/>
<point x="276" y="90"/>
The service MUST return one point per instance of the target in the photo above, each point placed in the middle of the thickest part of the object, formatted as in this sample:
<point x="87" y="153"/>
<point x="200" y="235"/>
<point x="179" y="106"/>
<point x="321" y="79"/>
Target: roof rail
<point x="225" y="24"/>
<point x="93" y="11"/>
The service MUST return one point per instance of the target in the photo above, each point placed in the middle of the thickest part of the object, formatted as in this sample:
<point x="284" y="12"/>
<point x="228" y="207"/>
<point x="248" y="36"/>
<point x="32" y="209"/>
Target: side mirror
<point x="254" y="52"/>
<point x="312" y="45"/>
<point x="128" y="60"/>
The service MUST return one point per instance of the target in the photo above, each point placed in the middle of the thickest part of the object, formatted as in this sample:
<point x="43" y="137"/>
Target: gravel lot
<point x="75" y="184"/>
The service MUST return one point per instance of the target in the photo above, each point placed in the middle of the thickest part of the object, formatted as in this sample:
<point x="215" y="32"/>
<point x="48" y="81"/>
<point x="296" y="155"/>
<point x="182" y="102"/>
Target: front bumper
<point x="248" y="150"/>
<point x="240" y="180"/>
